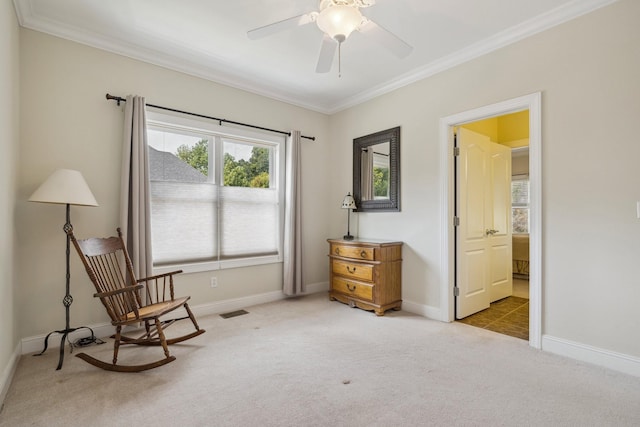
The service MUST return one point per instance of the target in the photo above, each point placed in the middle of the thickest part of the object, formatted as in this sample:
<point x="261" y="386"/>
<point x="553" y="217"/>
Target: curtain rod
<point x="120" y="99"/>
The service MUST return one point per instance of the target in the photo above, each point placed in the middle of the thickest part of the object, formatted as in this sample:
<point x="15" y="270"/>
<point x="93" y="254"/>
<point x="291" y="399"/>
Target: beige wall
<point x="589" y="86"/>
<point x="67" y="122"/>
<point x="591" y="236"/>
<point x="9" y="140"/>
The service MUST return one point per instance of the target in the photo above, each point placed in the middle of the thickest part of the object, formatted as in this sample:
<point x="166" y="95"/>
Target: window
<point x="520" y="204"/>
<point x="216" y="194"/>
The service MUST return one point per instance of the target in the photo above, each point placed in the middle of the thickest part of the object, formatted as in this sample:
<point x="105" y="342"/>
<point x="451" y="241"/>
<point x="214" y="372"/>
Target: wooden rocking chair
<point x="129" y="301"/>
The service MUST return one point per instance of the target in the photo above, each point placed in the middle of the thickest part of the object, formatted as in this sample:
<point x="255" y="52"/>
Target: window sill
<point x="218" y="265"/>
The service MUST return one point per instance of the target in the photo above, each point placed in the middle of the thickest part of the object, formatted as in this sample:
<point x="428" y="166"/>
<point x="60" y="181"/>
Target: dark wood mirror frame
<point x="392" y="204"/>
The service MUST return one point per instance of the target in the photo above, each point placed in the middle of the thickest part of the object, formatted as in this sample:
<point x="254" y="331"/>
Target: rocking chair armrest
<point x="160" y="286"/>
<point x="158" y="276"/>
<point x="118" y="291"/>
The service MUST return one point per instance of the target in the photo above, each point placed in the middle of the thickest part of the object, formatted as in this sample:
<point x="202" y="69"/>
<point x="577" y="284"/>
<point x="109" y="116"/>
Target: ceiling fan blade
<point x="285" y="24"/>
<point x="327" y="52"/>
<point x="396" y="45"/>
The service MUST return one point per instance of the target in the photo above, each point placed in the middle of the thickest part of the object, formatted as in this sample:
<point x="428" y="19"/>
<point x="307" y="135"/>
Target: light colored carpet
<point x="312" y="362"/>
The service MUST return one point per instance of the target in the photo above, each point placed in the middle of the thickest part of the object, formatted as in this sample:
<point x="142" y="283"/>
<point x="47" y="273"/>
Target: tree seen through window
<point x="381" y="182"/>
<point x="253" y="172"/>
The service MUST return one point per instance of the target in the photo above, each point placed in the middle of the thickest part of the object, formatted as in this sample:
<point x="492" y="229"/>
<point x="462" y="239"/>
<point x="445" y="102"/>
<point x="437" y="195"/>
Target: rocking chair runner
<point x="129" y="301"/>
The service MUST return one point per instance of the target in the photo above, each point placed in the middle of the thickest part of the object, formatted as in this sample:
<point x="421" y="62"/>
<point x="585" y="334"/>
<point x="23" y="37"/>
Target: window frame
<point x="218" y="133"/>
<point x="522" y="177"/>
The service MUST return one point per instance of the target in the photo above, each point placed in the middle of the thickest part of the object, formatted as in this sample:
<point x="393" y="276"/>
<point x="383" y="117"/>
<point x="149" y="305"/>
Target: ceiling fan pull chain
<point x="339" y="60"/>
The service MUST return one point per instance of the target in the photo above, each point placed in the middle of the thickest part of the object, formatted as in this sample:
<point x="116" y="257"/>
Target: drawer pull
<point x="351" y="271"/>
<point x="349" y="287"/>
<point x="337" y="251"/>
<point x="363" y="254"/>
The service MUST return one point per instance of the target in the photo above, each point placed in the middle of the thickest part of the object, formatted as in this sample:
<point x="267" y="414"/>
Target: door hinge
<point x="456" y="151"/>
<point x="456" y="291"/>
<point x="456" y="221"/>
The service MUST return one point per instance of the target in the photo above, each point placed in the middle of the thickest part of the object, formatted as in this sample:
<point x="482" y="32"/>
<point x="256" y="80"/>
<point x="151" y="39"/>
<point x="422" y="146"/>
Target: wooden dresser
<point x="366" y="274"/>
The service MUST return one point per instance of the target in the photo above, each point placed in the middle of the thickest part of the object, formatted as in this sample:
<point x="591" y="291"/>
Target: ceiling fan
<point x="337" y="19"/>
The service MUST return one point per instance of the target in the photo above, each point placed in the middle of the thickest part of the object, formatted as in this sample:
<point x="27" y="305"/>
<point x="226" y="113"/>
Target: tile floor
<point x="509" y="316"/>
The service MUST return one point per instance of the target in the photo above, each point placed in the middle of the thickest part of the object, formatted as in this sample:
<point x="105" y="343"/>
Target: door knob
<point x="491" y="232"/>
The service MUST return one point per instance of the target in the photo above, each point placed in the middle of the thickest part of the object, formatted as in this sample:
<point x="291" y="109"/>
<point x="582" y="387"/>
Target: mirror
<point x="376" y="171"/>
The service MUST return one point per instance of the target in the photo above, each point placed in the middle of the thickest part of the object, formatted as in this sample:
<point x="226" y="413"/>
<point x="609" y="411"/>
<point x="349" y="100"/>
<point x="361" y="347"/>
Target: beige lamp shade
<point x="64" y="186"/>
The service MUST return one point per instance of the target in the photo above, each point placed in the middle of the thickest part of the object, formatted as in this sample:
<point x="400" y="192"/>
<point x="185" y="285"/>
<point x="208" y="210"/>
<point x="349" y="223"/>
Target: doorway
<point x="532" y="103"/>
<point x="492" y="177"/>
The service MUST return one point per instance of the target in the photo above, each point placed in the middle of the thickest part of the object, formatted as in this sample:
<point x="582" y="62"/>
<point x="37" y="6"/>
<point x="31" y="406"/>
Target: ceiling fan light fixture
<point x="339" y="21"/>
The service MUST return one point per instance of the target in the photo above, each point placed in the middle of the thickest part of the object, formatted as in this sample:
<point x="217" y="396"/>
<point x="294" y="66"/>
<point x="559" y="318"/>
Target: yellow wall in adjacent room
<point x="511" y="129"/>
<point x="487" y="127"/>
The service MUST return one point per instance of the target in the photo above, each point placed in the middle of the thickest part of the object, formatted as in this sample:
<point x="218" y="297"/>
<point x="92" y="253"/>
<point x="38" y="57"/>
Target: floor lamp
<point x="66" y="187"/>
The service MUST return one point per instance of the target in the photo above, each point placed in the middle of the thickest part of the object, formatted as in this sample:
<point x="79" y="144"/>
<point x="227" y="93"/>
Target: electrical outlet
<point x="214" y="282"/>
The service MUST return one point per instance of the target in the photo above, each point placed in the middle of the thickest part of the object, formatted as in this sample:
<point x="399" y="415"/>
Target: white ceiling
<point x="208" y="38"/>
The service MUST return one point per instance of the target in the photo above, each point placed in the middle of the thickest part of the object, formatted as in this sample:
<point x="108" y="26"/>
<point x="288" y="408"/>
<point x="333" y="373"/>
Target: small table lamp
<point x="348" y="203"/>
<point x="66" y="187"/>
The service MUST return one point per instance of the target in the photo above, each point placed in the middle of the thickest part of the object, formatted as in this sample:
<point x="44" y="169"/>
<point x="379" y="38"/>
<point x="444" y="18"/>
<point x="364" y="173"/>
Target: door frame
<point x="533" y="103"/>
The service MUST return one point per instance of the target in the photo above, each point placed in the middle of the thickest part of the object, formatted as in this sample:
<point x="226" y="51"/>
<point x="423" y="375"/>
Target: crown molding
<point x="189" y="64"/>
<point x="509" y="36"/>
<point x="192" y="65"/>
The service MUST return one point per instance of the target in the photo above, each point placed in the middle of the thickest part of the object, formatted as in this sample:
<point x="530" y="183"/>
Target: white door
<point x="473" y="211"/>
<point x="500" y="243"/>
<point x="483" y="237"/>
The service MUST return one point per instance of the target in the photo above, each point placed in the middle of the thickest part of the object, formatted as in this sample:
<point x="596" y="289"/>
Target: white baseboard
<point x="7" y="374"/>
<point x="597" y="356"/>
<point x="36" y="343"/>
<point x="244" y="302"/>
<point x="427" y="311"/>
<point x="609" y="359"/>
<point x="315" y="288"/>
<point x="235" y="303"/>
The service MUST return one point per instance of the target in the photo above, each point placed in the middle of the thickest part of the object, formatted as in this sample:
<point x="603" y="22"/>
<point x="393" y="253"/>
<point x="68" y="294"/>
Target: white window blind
<point x="249" y="217"/>
<point x="183" y="222"/>
<point x="215" y="197"/>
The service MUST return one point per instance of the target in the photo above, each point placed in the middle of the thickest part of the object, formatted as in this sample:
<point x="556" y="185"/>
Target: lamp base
<point x="65" y="337"/>
<point x="347" y="237"/>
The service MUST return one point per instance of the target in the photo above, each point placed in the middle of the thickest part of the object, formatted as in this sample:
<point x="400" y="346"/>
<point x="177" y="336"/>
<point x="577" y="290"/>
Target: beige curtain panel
<point x="292" y="265"/>
<point x="135" y="205"/>
<point x="366" y="178"/>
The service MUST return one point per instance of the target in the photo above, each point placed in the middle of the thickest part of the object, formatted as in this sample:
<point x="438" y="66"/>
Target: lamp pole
<point x="66" y="301"/>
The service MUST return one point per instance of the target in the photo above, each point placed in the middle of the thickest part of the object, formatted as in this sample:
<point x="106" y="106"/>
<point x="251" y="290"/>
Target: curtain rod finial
<point x="116" y="98"/>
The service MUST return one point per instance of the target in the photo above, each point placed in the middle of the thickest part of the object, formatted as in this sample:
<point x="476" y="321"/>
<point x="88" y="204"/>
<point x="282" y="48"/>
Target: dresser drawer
<point x="352" y="270"/>
<point x="350" y="287"/>
<point x="353" y="252"/>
